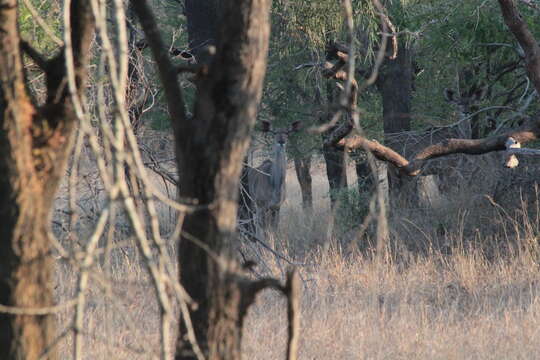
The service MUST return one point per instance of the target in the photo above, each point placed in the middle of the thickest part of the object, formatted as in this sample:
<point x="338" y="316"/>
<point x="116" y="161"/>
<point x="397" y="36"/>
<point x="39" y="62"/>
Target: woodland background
<point x="437" y="266"/>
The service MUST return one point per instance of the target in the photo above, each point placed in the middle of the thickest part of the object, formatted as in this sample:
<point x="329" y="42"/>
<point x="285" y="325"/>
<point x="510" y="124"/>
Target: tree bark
<point x="203" y="18"/>
<point x="210" y="161"/>
<point x="395" y="86"/>
<point x="210" y="149"/>
<point x="35" y="143"/>
<point x="523" y="35"/>
<point x="336" y="170"/>
<point x="302" y="165"/>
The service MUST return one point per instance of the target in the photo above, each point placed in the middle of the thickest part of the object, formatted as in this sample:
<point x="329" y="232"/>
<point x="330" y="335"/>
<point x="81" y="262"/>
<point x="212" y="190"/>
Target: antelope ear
<point x="265" y="126"/>
<point x="295" y="126"/>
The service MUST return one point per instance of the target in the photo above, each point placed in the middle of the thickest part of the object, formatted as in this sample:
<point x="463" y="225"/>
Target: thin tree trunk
<point x="336" y="171"/>
<point x="34" y="146"/>
<point x="302" y="165"/>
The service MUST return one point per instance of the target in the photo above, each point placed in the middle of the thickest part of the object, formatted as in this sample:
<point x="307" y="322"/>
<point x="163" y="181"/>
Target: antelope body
<point x="267" y="182"/>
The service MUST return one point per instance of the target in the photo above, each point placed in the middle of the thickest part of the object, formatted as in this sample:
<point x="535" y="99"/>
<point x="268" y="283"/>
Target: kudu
<point x="267" y="182"/>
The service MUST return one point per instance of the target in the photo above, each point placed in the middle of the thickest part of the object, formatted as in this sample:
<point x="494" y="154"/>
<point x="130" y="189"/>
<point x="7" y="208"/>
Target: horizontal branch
<point x="528" y="132"/>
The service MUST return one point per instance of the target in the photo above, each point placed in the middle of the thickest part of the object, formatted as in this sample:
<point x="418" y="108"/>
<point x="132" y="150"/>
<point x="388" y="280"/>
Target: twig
<point x="42" y="23"/>
<point x="14" y="310"/>
<point x="292" y="291"/>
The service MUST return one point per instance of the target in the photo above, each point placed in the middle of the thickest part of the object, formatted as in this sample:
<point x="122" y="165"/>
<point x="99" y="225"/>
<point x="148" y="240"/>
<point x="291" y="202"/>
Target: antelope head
<point x="281" y="135"/>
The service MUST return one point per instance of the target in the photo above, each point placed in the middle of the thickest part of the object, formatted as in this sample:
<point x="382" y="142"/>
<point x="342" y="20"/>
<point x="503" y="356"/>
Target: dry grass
<point x="461" y="303"/>
<point x="456" y="307"/>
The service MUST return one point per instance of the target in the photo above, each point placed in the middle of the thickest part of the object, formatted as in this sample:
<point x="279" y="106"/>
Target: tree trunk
<point x="302" y="165"/>
<point x="336" y="170"/>
<point x="34" y="146"/>
<point x="210" y="158"/>
<point x="203" y="18"/>
<point x="365" y="177"/>
<point x="210" y="149"/>
<point x="395" y="86"/>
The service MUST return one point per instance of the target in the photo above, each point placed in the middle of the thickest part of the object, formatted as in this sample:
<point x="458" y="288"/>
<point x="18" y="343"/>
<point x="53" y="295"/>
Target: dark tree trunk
<point x="395" y="86"/>
<point x="210" y="149"/>
<point x="34" y="146"/>
<point x="302" y="165"/>
<point x="336" y="170"/>
<point x="364" y="175"/>
<point x="210" y="161"/>
<point x="203" y="19"/>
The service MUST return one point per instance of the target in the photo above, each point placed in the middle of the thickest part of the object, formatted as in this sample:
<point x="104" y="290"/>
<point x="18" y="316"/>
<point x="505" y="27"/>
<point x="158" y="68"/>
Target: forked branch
<point x="292" y="291"/>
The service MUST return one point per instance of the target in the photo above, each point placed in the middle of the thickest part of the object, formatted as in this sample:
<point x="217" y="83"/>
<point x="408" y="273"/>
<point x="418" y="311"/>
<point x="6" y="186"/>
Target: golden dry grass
<point x="461" y="304"/>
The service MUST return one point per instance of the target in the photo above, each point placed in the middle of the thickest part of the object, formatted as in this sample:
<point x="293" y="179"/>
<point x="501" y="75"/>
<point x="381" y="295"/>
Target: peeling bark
<point x="35" y="144"/>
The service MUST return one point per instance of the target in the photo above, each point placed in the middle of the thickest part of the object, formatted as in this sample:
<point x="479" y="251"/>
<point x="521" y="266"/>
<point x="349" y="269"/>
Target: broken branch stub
<point x="511" y="159"/>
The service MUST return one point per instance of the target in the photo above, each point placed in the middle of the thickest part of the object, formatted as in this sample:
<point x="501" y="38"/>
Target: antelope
<point x="267" y="182"/>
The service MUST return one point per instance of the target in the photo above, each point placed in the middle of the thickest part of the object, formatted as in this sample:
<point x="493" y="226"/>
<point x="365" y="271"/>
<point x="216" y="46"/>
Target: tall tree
<point x="210" y="148"/>
<point x="202" y="20"/>
<point x="35" y="142"/>
<point x="395" y="84"/>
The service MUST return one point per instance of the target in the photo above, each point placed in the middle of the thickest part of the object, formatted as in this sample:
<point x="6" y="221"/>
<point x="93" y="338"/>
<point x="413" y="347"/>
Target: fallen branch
<point x="528" y="132"/>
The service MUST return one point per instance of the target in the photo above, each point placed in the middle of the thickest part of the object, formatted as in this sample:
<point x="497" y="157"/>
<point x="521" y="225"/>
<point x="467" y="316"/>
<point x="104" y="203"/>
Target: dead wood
<point x="528" y="132"/>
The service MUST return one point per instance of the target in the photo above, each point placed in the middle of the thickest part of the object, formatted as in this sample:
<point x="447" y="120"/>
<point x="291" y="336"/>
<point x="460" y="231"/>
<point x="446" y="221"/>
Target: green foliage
<point x="315" y="21"/>
<point x="457" y="47"/>
<point x="50" y="12"/>
<point x="352" y="208"/>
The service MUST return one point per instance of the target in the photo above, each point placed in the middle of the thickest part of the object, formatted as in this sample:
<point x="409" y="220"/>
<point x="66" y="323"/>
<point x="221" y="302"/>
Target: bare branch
<point x="292" y="291"/>
<point x="167" y="71"/>
<point x="42" y="23"/>
<point x="37" y="311"/>
<point x="519" y="28"/>
<point x="528" y="132"/>
<point x="387" y="23"/>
